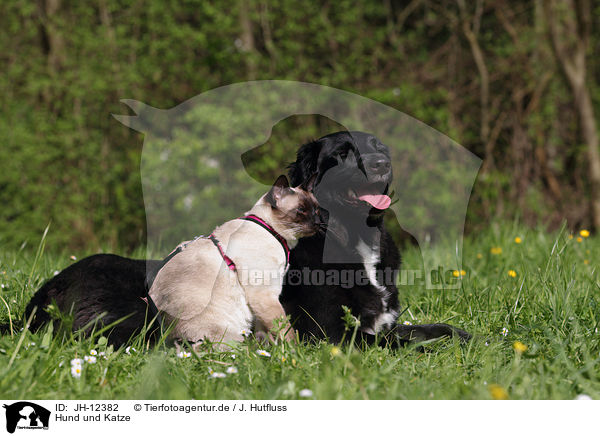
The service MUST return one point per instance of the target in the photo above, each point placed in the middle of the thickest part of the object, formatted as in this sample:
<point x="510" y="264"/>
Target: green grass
<point x="552" y="306"/>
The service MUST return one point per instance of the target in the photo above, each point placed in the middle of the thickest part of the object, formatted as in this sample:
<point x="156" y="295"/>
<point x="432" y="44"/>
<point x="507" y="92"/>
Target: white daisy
<point x="504" y="331"/>
<point x="263" y="353"/>
<point x="407" y="323"/>
<point x="245" y="333"/>
<point x="184" y="354"/>
<point x="305" y="393"/>
<point x="218" y="375"/>
<point x="231" y="370"/>
<point x="76" y="371"/>
<point x="128" y="350"/>
<point x="90" y="359"/>
<point x="583" y="397"/>
<point x="93" y="352"/>
<point x="76" y="362"/>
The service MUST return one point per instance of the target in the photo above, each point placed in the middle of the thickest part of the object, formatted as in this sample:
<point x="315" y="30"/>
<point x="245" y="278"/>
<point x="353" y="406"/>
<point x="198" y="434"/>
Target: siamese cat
<point x="219" y="287"/>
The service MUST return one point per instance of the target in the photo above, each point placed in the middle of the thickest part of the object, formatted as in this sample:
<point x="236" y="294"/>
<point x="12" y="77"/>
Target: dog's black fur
<point x="98" y="291"/>
<point x="345" y="163"/>
<point x="349" y="164"/>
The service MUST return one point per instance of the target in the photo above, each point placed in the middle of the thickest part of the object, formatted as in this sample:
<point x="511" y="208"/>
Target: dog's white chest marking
<point x="370" y="257"/>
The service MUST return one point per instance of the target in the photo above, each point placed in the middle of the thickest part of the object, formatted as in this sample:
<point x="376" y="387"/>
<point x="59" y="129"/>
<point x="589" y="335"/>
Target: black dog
<point x="98" y="291"/>
<point x="353" y="175"/>
<point x="355" y="263"/>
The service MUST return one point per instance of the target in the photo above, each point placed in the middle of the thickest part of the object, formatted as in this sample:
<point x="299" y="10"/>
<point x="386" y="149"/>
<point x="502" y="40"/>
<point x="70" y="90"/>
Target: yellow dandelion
<point x="334" y="351"/>
<point x="579" y="239"/>
<point x="570" y="236"/>
<point x="282" y="358"/>
<point x="512" y="273"/>
<point x="463" y="272"/>
<point x="586" y="262"/>
<point x="519" y="347"/>
<point x="498" y="392"/>
<point x="456" y="273"/>
<point x="584" y="233"/>
<point x="479" y="256"/>
<point x="496" y="250"/>
<point x="518" y="240"/>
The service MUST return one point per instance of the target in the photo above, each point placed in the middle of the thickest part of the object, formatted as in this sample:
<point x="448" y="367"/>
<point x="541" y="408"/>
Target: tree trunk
<point x="569" y="30"/>
<point x="470" y="27"/>
<point x="247" y="39"/>
<point x="590" y="135"/>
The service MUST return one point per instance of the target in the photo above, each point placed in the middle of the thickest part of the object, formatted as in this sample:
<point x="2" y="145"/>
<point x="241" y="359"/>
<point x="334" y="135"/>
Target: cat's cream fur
<point x="204" y="299"/>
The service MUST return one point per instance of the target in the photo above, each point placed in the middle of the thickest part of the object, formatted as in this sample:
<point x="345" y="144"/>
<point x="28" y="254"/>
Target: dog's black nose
<point x="380" y="166"/>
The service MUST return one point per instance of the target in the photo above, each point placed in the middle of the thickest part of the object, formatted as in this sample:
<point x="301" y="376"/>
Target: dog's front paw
<point x="425" y="332"/>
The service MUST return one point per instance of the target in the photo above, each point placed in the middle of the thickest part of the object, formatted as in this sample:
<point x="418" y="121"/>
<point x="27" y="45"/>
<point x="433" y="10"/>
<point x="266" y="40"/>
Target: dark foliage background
<point x="514" y="82"/>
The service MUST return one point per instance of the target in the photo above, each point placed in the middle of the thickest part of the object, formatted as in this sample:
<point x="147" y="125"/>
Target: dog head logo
<point x="26" y="415"/>
<point x="193" y="177"/>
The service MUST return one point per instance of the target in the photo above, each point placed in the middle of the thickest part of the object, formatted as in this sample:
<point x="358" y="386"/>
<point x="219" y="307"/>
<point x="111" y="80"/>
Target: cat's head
<point x="294" y="209"/>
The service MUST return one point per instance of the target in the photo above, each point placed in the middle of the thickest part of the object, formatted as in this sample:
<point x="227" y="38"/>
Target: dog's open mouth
<point x="371" y="195"/>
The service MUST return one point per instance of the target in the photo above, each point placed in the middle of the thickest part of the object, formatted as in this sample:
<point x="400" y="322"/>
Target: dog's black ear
<point x="309" y="185"/>
<point x="276" y="192"/>
<point x="306" y="164"/>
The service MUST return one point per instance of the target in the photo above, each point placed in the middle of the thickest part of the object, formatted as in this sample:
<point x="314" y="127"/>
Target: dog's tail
<point x="10" y="328"/>
<point x="35" y="311"/>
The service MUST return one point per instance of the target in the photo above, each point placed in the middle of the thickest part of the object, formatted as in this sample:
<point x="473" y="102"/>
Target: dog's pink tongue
<point x="377" y="201"/>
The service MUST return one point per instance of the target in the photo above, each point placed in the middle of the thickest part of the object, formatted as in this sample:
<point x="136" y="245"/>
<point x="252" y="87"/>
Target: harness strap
<point x="272" y="231"/>
<point x="230" y="263"/>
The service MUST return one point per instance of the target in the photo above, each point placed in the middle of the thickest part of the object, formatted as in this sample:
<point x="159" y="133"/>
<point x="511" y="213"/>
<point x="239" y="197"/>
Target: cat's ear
<point x="309" y="185"/>
<point x="277" y="191"/>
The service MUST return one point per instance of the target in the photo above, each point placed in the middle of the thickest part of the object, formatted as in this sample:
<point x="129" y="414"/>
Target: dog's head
<point x="353" y="173"/>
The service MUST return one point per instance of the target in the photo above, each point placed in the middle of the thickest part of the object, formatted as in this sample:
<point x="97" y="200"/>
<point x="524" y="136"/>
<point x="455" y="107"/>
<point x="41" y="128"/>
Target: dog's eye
<point x="344" y="154"/>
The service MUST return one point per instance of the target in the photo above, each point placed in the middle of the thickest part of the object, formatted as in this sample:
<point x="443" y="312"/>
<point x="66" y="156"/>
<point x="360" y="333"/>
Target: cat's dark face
<point x="295" y="208"/>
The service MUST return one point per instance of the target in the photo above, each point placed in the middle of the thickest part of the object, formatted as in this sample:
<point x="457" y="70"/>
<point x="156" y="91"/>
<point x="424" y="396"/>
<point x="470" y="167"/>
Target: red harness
<point x="272" y="231"/>
<point x="230" y="263"/>
<point x="255" y="219"/>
